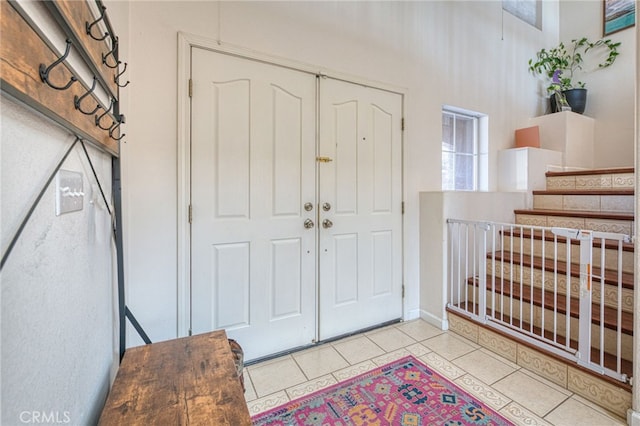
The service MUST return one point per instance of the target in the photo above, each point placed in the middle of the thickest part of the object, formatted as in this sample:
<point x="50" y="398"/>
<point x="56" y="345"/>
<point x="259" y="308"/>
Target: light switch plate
<point x="69" y="193"/>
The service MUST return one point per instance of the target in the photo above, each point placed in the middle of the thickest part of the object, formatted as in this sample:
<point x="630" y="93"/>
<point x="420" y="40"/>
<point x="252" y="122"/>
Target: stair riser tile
<point x="464" y="327"/>
<point x="556" y="183"/>
<point x="499" y="344"/>
<point x="617" y="203"/>
<point x="623" y="181"/>
<point x="610" y="336"/>
<point x="560" y="285"/>
<point x="594" y="182"/>
<point x="545" y="366"/>
<point x="612" y="398"/>
<point x="611" y="255"/>
<point x="602" y="225"/>
<point x="598" y="203"/>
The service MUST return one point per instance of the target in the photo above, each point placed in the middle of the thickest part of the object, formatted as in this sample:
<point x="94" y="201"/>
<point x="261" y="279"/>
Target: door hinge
<point x="403" y="291"/>
<point x="403" y="207"/>
<point x="190" y="88"/>
<point x="190" y="213"/>
<point x="402" y="124"/>
<point x="190" y="332"/>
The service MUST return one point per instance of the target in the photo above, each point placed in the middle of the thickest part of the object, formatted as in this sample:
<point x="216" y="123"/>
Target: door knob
<point x="308" y="224"/>
<point x="327" y="223"/>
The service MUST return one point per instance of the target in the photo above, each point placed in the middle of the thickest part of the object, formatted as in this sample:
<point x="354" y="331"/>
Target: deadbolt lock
<point x="326" y="207"/>
<point x="308" y="206"/>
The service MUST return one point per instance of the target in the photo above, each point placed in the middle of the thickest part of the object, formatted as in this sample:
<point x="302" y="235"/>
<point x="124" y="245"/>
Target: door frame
<point x="186" y="41"/>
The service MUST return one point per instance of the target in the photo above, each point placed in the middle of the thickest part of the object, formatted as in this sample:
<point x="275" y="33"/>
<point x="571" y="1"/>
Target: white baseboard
<point x="441" y="323"/>
<point x="412" y="314"/>
<point x="633" y="418"/>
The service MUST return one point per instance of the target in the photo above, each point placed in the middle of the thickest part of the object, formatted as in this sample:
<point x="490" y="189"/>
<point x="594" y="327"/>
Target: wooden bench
<point x="191" y="380"/>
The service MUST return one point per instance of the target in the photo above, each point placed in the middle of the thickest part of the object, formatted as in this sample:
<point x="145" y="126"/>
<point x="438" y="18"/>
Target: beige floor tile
<point x="449" y="346"/>
<point x="486" y="366"/>
<point x="442" y="366"/>
<point x="574" y="412"/>
<point x="249" y="392"/>
<point x="275" y="376"/>
<point x="521" y="416"/>
<point x="320" y="361"/>
<point x="418" y="349"/>
<point x="391" y="356"/>
<point x="391" y="339"/>
<point x="357" y="350"/>
<point x="354" y="370"/>
<point x="419" y="329"/>
<point x="311" y="386"/>
<point x="531" y="393"/>
<point x="267" y="402"/>
<point x="483" y="391"/>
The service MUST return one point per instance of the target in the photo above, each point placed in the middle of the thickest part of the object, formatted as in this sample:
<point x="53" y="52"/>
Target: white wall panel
<point x="381" y="138"/>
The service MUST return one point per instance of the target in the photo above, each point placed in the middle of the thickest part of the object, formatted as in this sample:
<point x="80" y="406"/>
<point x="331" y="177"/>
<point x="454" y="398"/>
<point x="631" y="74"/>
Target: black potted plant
<point x="559" y="65"/>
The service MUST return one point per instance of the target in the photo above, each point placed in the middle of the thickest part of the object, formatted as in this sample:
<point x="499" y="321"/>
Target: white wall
<point x="59" y="306"/>
<point x="465" y="54"/>
<point x="610" y="98"/>
<point x="435" y="209"/>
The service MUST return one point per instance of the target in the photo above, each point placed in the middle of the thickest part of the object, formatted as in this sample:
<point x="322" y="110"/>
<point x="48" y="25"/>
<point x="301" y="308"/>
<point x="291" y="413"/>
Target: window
<point x="530" y="11"/>
<point x="463" y="160"/>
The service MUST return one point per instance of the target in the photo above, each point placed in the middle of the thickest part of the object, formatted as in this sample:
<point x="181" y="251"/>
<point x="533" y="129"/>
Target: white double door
<point x="296" y="231"/>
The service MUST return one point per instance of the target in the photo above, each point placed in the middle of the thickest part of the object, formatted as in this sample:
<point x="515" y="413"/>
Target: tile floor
<point x="516" y="393"/>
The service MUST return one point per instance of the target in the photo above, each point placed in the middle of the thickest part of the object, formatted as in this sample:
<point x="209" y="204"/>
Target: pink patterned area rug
<point x="405" y="392"/>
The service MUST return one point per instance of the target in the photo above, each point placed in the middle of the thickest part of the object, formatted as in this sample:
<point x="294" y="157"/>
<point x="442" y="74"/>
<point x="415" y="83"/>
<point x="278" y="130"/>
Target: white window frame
<point x="480" y="147"/>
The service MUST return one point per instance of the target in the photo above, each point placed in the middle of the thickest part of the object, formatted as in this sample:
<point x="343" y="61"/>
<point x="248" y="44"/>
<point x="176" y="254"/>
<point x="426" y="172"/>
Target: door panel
<point x="253" y="169"/>
<point x="361" y="245"/>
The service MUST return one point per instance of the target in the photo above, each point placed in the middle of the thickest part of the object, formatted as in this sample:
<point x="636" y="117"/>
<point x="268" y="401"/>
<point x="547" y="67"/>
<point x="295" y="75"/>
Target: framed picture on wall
<point x="618" y="15"/>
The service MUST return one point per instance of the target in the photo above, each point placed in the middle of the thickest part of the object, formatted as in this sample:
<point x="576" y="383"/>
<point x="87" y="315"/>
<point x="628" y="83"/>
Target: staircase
<point x="533" y="283"/>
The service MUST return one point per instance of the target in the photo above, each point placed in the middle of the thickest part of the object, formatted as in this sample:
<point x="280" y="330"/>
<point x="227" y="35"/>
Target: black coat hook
<point x="112" y="52"/>
<point x="77" y="100"/>
<point x="99" y="117"/>
<point x="88" y="26"/>
<point x="115" y="126"/>
<point x="116" y="79"/>
<point x="44" y="70"/>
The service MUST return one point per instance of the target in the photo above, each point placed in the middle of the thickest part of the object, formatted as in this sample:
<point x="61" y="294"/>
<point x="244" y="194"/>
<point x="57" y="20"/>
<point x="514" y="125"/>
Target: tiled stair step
<point x="596" y="221"/>
<point x="595" y="179"/>
<point x="613" y="296"/>
<point x="516" y="291"/>
<point x="512" y="238"/>
<point x="610" y="277"/>
<point x="609" y="360"/>
<point x="582" y="200"/>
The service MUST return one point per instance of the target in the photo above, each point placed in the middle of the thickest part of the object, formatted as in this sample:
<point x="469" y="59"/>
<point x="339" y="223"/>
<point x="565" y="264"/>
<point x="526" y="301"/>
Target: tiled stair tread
<point x="600" y="191"/>
<point x="610" y="277"/>
<point x="616" y="170"/>
<point x="610" y="314"/>
<point x="548" y="236"/>
<point x="588" y="214"/>
<point x="609" y="359"/>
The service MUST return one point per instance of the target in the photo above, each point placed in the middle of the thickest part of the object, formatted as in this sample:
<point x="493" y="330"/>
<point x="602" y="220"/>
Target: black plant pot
<point x="577" y="99"/>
